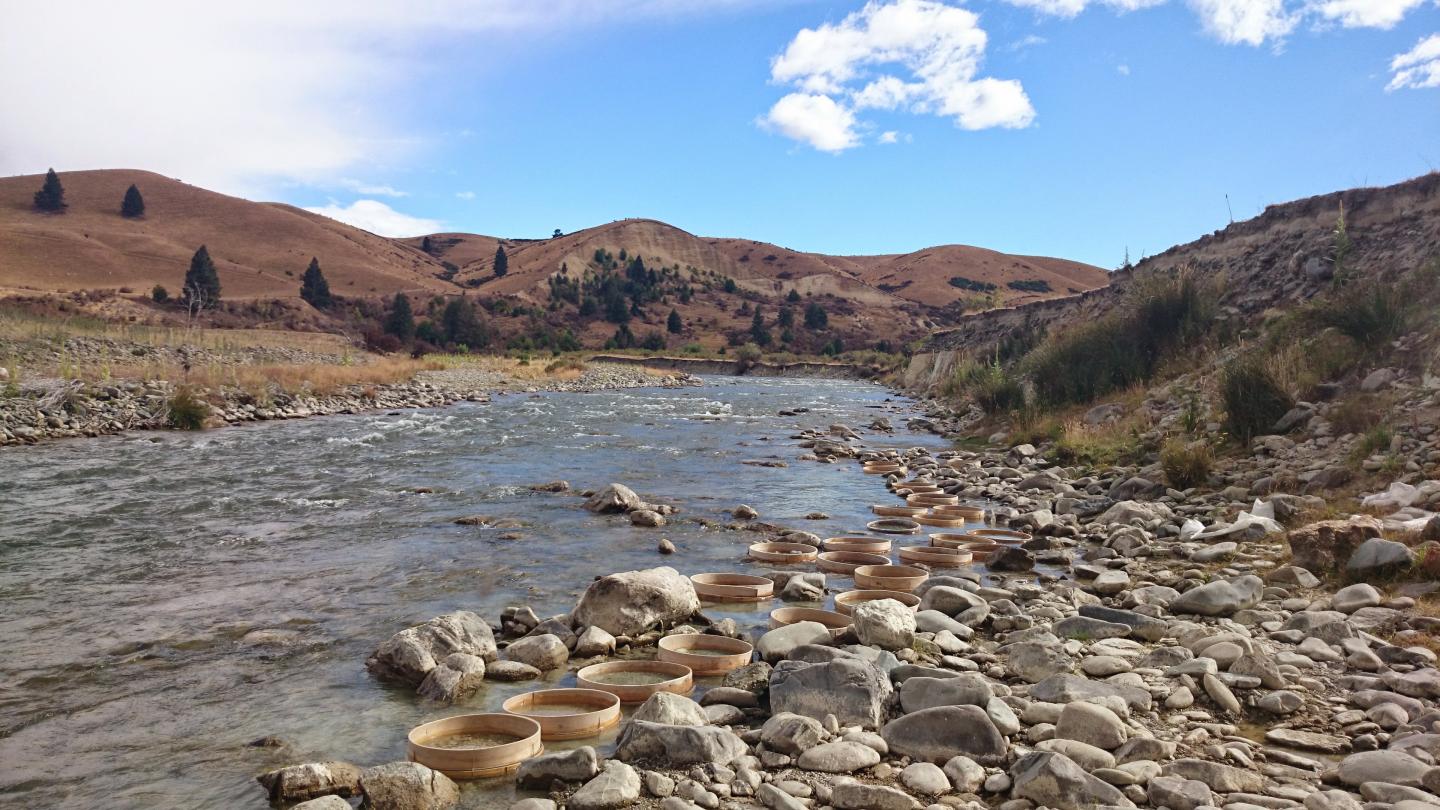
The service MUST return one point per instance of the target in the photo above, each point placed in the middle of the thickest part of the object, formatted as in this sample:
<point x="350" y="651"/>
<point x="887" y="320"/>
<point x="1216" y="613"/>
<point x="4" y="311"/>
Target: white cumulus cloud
<point x="1418" y="67"/>
<point x="814" y="119"/>
<point x="378" y="218"/>
<point x="1248" y="22"/>
<point x="1072" y="8"/>
<point x="1365" y="13"/>
<point x="919" y="56"/>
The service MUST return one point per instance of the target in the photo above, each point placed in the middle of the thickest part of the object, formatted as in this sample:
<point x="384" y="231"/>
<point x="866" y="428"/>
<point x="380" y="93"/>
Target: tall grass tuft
<point x="188" y="411"/>
<point x="1089" y="361"/>
<point x="1186" y="464"/>
<point x="1254" y="399"/>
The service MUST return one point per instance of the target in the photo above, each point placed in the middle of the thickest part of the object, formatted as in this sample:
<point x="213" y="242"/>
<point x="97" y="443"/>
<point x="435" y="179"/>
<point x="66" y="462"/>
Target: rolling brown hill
<point x="261" y="249"/>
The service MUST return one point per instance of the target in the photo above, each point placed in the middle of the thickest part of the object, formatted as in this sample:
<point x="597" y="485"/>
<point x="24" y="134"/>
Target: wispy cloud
<point x="465" y="195"/>
<point x="378" y="218"/>
<point x="1418" y="67"/>
<point x="916" y="56"/>
<point x="372" y="189"/>
<point x="276" y="92"/>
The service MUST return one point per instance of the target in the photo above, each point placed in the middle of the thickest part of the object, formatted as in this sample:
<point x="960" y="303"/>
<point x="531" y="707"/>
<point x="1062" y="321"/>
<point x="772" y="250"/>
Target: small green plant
<point x="1192" y="417"/>
<point x="1340" y="248"/>
<point x="1186" y="464"/>
<point x="1372" y="315"/>
<point x="1375" y="440"/>
<point x="996" y="391"/>
<point x="188" y="411"/>
<point x="1254" y="400"/>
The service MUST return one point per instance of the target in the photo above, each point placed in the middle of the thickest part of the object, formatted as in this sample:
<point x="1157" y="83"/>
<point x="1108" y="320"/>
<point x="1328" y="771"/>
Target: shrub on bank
<point x="188" y="411"/>
<point x="1254" y="399"/>
<point x="1186" y="464"/>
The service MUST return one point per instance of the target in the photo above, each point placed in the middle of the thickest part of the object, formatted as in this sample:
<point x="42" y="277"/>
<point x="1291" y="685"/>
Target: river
<point x="169" y="597"/>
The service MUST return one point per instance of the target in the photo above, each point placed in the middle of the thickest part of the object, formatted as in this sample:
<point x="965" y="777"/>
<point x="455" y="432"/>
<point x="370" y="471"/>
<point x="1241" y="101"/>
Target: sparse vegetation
<point x="1124" y="348"/>
<point x="1035" y="285"/>
<point x="1254" y="400"/>
<point x="971" y="285"/>
<point x="1186" y="464"/>
<point x="187" y="410"/>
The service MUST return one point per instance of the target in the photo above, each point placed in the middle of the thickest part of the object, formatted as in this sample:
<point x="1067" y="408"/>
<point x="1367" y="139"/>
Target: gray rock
<point x="407" y="786"/>
<point x="926" y="693"/>
<point x="1221" y="597"/>
<point x="617" y="786"/>
<point x="938" y="735"/>
<point x="1070" y="688"/>
<point x="853" y="691"/>
<point x="1223" y="778"/>
<point x="544" y="652"/>
<point x="1177" y="793"/>
<point x="676" y="746"/>
<point x="1331" y="800"/>
<point x="671" y="709"/>
<point x="614" y="498"/>
<point x="575" y="767"/>
<point x="458" y="677"/>
<point x="594" y="641"/>
<point x="777" y="799"/>
<point x="1055" y="781"/>
<point x="1376" y="556"/>
<point x="300" y="782"/>
<point x="858" y="796"/>
<point x="1087" y="628"/>
<point x="838" y="757"/>
<point x="1354" y="597"/>
<point x="925" y="778"/>
<point x="409" y="655"/>
<point x="509" y="671"/>
<point x="950" y="600"/>
<point x="632" y="602"/>
<point x="1395" y="767"/>
<point x="884" y="623"/>
<point x="1091" y="724"/>
<point x="649" y="519"/>
<point x="776" y="645"/>
<point x="1141" y="626"/>
<point x="965" y="774"/>
<point x="791" y="733"/>
<point x="1034" y="661"/>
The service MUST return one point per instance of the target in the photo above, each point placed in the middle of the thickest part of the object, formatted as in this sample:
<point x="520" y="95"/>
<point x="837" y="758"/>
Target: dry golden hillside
<point x="260" y="249"/>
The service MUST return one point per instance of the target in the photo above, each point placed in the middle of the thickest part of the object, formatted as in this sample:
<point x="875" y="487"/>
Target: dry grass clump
<point x="21" y="325"/>
<point x="1186" y="464"/>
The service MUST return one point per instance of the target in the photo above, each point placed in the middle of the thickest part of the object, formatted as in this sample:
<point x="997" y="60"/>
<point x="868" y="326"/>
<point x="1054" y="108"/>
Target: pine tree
<point x="202" y="282"/>
<point x="133" y="204"/>
<point x="673" y="324"/>
<point x="462" y="326"/>
<point x="51" y="196"/>
<point x="401" y="321"/>
<point x="758" y="333"/>
<point x="426" y="246"/>
<point x="793" y="297"/>
<point x="815" y="317"/>
<point x="502" y="262"/>
<point x="313" y="286"/>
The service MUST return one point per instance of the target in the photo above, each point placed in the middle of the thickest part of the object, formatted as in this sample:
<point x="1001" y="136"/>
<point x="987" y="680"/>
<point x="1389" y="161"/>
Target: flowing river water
<point x="166" y="598"/>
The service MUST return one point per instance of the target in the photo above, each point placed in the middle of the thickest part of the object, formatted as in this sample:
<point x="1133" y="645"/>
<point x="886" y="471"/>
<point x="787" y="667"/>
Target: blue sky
<point x="1075" y="128"/>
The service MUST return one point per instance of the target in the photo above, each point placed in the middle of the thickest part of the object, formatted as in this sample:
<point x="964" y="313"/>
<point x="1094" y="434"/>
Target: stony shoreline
<point x="67" y="409"/>
<point x="1134" y="648"/>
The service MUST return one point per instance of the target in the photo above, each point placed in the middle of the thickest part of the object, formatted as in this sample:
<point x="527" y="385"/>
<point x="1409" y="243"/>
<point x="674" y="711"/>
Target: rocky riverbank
<point x="58" y="409"/>
<point x="1135" y="648"/>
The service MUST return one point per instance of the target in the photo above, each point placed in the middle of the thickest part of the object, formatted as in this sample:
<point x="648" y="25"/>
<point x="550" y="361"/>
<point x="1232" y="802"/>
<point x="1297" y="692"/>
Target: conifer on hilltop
<point x="51" y="196"/>
<point x="502" y="262"/>
<point x="133" y="205"/>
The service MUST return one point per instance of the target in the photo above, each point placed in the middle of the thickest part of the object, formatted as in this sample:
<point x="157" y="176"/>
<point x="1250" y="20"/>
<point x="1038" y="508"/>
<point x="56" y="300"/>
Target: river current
<point x="166" y="598"/>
